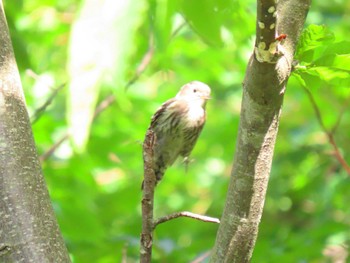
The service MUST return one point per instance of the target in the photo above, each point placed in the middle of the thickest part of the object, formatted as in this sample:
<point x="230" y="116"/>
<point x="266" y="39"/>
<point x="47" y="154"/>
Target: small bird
<point x="177" y="125"/>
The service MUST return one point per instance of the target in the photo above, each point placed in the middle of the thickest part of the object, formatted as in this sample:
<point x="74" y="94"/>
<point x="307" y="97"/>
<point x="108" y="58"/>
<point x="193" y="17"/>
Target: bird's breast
<point x="195" y="116"/>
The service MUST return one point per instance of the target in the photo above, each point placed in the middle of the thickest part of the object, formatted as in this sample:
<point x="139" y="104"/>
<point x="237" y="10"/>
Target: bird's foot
<point x="187" y="161"/>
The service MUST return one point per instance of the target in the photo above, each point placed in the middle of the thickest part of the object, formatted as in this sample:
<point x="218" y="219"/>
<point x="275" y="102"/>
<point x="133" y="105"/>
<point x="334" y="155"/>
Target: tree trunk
<point x="29" y="231"/>
<point x="263" y="89"/>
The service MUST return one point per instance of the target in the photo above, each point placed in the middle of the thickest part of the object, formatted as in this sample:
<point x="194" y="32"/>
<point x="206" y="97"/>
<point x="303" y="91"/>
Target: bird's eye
<point x="194" y="90"/>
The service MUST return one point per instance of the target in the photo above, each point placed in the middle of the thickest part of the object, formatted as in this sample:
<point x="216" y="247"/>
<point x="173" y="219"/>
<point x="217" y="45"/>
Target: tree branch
<point x="144" y="63"/>
<point x="39" y="111"/>
<point x="201" y="258"/>
<point x="185" y="214"/>
<point x="329" y="133"/>
<point x="146" y="240"/>
<point x="266" y="49"/>
<point x="149" y="183"/>
<point x="53" y="148"/>
<point x="264" y="85"/>
<point x="29" y="230"/>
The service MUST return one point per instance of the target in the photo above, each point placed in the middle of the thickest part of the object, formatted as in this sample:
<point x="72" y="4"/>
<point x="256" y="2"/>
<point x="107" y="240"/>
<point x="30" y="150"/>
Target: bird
<point x="177" y="125"/>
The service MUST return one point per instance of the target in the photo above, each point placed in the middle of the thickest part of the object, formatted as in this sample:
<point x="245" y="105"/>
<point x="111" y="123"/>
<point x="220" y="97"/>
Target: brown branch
<point x="201" y="258"/>
<point x="147" y="203"/>
<point x="125" y="254"/>
<point x="185" y="214"/>
<point x="108" y="101"/>
<point x="53" y="148"/>
<point x="263" y="90"/>
<point x="146" y="239"/>
<point x="39" y="111"/>
<point x="146" y="59"/>
<point x="343" y="110"/>
<point x="177" y="30"/>
<point x="337" y="153"/>
<point x="329" y="133"/>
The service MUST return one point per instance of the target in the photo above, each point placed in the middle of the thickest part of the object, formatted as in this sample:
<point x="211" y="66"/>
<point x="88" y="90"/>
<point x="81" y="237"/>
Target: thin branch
<point x="337" y="153"/>
<point x="316" y="109"/>
<point x="108" y="101"/>
<point x="39" y="111"/>
<point x="125" y="254"/>
<point x="343" y="110"/>
<point x="186" y="214"/>
<point x="53" y="148"/>
<point x="202" y="257"/>
<point x="177" y="30"/>
<point x="146" y="59"/>
<point x="329" y="134"/>
<point x="146" y="240"/>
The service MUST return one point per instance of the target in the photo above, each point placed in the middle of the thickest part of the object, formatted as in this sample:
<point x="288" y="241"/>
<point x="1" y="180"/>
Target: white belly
<point x="194" y="116"/>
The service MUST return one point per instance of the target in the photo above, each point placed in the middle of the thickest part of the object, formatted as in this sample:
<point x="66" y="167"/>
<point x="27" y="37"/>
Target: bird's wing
<point x="159" y="115"/>
<point x="169" y="115"/>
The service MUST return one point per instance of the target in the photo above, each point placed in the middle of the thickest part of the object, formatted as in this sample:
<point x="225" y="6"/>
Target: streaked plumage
<point x="177" y="125"/>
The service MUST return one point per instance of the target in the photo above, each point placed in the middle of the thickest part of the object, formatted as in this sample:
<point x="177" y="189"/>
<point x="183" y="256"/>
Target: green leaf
<point x="308" y="80"/>
<point x="334" y="61"/>
<point x="339" y="48"/>
<point x="316" y="77"/>
<point x="313" y="38"/>
<point x="331" y="76"/>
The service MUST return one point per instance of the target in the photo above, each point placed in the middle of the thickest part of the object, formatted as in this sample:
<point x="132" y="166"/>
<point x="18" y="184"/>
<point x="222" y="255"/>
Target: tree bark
<point x="263" y="89"/>
<point x="147" y="203"/>
<point x="29" y="231"/>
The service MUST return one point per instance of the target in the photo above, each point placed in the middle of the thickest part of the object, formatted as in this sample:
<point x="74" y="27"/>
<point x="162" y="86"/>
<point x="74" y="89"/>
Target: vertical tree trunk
<point x="28" y="228"/>
<point x="267" y="74"/>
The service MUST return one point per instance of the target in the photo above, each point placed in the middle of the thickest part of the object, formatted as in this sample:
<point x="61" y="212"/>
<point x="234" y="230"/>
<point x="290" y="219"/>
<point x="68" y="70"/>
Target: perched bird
<point x="177" y="125"/>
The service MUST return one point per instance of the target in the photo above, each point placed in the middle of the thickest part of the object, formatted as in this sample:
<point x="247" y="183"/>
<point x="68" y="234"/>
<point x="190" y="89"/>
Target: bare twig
<point x="149" y="183"/>
<point x="201" y="258"/>
<point x="329" y="133"/>
<point x="340" y="116"/>
<point x="108" y="101"/>
<point x="125" y="253"/>
<point x="53" y="148"/>
<point x="146" y="59"/>
<point x="39" y="111"/>
<point x="186" y="214"/>
<point x="337" y="153"/>
<point x="177" y="30"/>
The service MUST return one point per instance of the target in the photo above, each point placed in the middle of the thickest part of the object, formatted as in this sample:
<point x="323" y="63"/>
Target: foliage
<point x="96" y="193"/>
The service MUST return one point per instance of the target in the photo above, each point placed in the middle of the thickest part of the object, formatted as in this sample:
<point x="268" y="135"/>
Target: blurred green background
<point x="93" y="48"/>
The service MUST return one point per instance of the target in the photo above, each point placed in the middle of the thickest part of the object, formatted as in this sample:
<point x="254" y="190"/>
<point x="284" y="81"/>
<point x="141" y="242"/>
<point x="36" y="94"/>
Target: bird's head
<point x="194" y="92"/>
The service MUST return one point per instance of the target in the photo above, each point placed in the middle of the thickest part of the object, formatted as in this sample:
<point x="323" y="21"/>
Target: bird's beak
<point x="206" y="97"/>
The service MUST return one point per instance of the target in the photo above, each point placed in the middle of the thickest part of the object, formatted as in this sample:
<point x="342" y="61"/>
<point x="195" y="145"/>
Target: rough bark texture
<point x="28" y="228"/>
<point x="146" y="239"/>
<point x="263" y="89"/>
